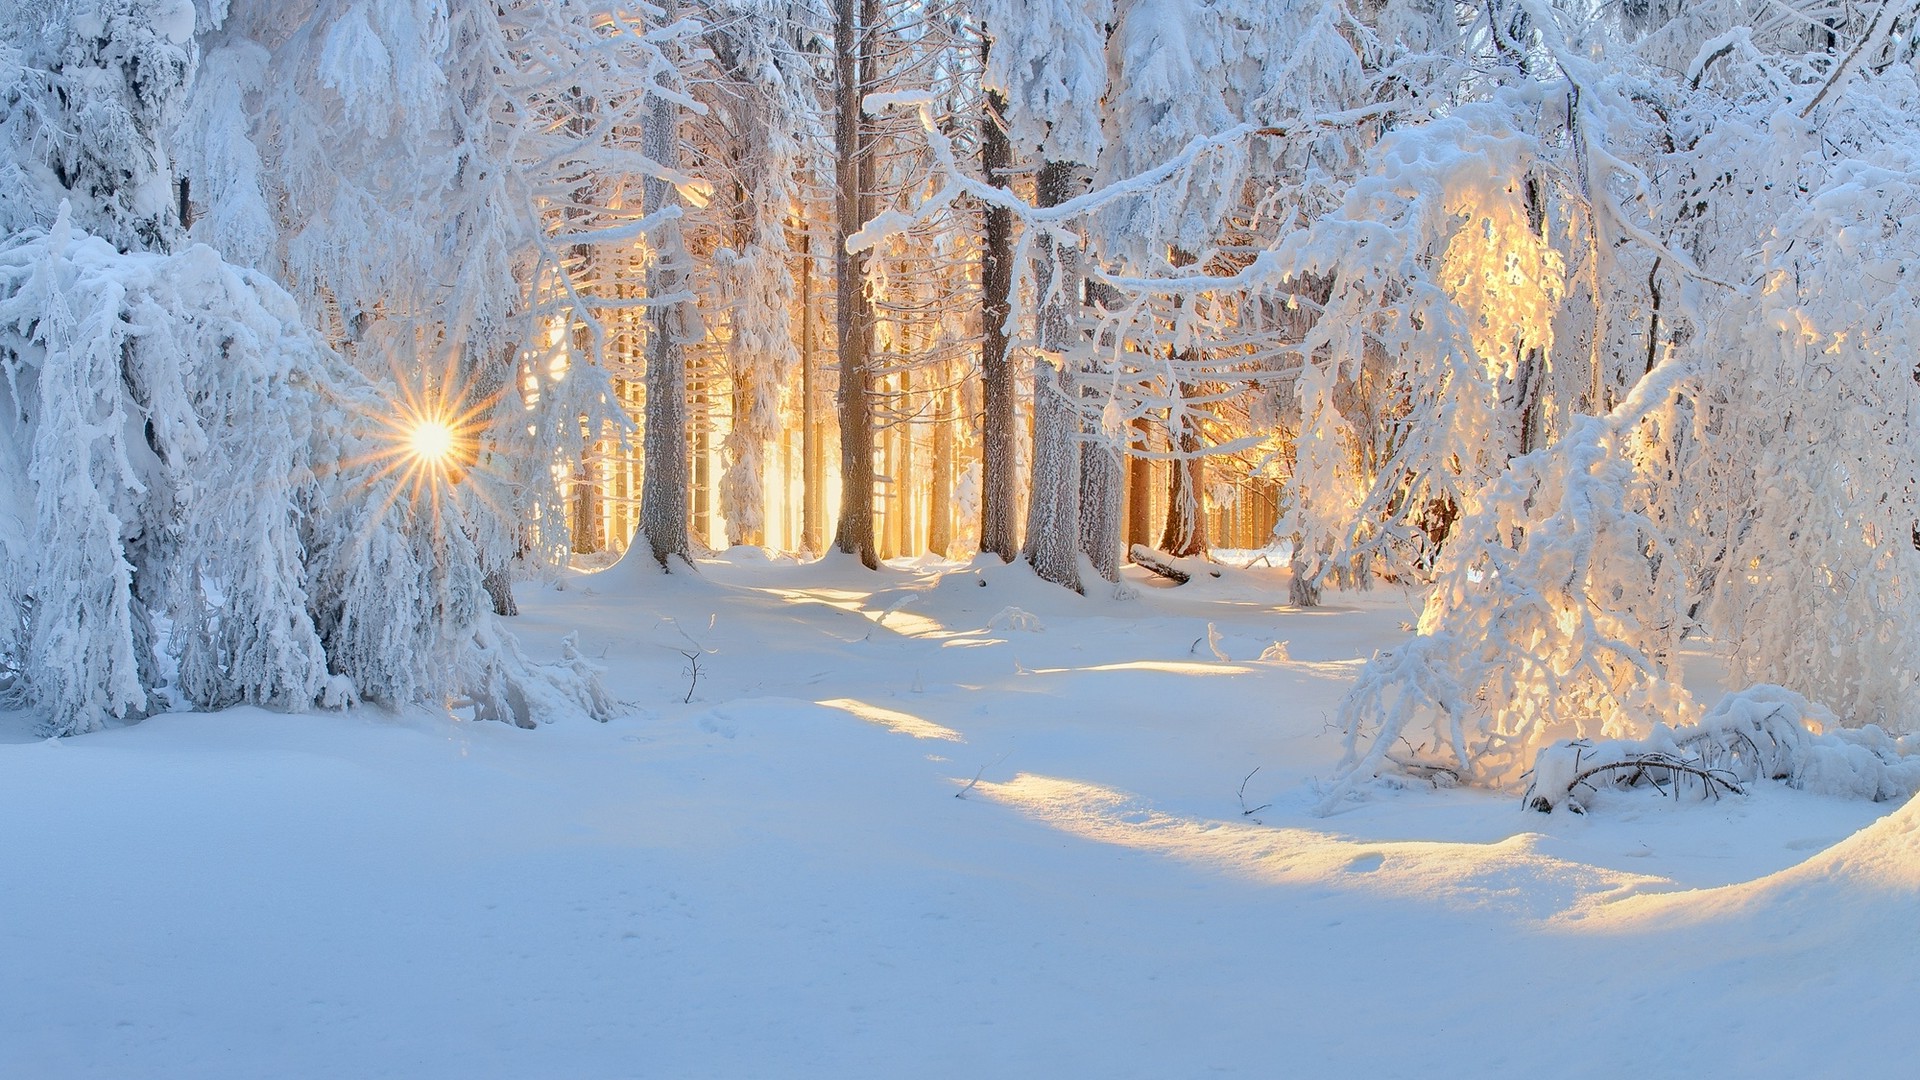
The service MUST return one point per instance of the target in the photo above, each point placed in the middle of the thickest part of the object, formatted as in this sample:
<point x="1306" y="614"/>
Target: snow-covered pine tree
<point x="414" y="172"/>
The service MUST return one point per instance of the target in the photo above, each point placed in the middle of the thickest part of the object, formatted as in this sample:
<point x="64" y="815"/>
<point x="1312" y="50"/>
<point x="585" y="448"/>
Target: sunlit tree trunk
<point x="905" y="480"/>
<point x="812" y="460"/>
<point x="940" y="490"/>
<point x="1186" y="530"/>
<point x="854" y="171"/>
<point x="700" y="431"/>
<point x="663" y="485"/>
<point x="997" y="450"/>
<point x="1140" y="487"/>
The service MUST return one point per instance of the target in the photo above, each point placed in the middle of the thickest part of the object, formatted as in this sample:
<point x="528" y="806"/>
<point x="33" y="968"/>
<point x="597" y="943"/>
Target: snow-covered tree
<point x="187" y="450"/>
<point x="434" y="181"/>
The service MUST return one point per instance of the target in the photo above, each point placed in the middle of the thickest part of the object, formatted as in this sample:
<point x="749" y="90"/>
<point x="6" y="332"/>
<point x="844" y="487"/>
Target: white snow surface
<point x="777" y="880"/>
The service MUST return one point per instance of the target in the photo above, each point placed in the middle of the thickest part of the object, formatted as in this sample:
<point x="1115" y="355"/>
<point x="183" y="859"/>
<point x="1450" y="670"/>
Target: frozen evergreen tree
<point x="432" y="182"/>
<point x="186" y="450"/>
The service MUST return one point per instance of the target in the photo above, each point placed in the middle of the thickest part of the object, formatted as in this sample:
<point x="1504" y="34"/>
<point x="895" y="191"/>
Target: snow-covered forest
<point x="1067" y="537"/>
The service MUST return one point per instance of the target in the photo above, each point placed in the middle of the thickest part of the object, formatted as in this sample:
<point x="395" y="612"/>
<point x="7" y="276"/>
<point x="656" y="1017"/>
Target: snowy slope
<point x="775" y="879"/>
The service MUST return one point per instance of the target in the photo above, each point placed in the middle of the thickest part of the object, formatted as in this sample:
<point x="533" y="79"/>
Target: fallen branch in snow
<point x="1160" y="563"/>
<point x="1761" y="733"/>
<point x="971" y="784"/>
<point x="1244" y="812"/>
<point x="1166" y="565"/>
<point x="1437" y="773"/>
<point x="1630" y="771"/>
<point x="693" y="674"/>
<point x="975" y="782"/>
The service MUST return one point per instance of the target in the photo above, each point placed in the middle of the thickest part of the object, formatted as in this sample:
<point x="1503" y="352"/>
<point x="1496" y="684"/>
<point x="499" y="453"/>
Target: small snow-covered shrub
<point x="1761" y="733"/>
<point x="1552" y="618"/>
<point x="1015" y="618"/>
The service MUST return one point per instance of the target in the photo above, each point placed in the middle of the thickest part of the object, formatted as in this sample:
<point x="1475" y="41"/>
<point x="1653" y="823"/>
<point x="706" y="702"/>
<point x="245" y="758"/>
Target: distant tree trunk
<point x="1186" y="531"/>
<point x="903" y="473"/>
<point x="700" y="431"/>
<point x="940" y="493"/>
<point x="1101" y="481"/>
<point x="1053" y="499"/>
<point x="584" y="521"/>
<point x="997" y="449"/>
<point x="813" y="471"/>
<point x="853" y="173"/>
<point x="1140" y="488"/>
<point x="750" y="506"/>
<point x="663" y="485"/>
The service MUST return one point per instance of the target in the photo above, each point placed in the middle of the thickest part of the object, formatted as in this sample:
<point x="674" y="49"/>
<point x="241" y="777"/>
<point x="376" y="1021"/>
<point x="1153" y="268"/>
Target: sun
<point x="432" y="441"/>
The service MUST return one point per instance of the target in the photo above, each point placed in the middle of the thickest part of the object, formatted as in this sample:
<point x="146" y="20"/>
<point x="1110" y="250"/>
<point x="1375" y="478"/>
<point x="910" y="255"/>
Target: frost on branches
<point x="1755" y="483"/>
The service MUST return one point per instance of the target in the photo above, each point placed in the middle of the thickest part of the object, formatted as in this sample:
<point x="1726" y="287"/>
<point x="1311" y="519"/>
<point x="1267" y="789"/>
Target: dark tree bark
<point x="853" y="173"/>
<point x="812" y="458"/>
<point x="996" y="366"/>
<point x="664" y="478"/>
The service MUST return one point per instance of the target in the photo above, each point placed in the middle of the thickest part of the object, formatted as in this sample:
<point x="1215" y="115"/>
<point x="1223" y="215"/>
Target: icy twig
<point x="1244" y="812"/>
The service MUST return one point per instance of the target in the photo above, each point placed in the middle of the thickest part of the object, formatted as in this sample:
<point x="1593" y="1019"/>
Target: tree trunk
<point x="940" y="493"/>
<point x="584" y="521"/>
<point x="498" y="582"/>
<point x="1053" y="500"/>
<point x="1101" y="481"/>
<point x="700" y="430"/>
<point x="1140" y="488"/>
<point x="853" y="173"/>
<point x="1186" y="531"/>
<point x="903" y="474"/>
<point x="997" y="449"/>
<point x="813" y="473"/>
<point x="488" y="371"/>
<point x="742" y="485"/>
<point x="663" y="485"/>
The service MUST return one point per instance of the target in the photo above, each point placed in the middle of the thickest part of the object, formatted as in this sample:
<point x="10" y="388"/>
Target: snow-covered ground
<point x="777" y="880"/>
